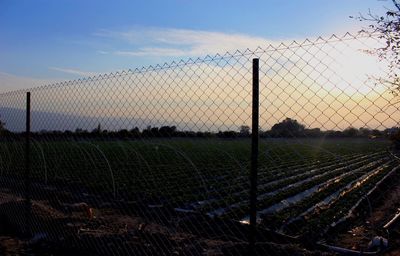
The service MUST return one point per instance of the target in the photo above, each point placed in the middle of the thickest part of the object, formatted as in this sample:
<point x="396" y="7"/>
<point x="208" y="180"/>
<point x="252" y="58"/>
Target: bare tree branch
<point x="396" y="4"/>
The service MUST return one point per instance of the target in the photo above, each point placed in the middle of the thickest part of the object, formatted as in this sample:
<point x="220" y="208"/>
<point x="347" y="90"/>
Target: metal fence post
<point x="28" y="204"/>
<point x="254" y="156"/>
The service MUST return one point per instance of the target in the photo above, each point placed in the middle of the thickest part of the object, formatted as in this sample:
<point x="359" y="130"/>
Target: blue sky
<point x="50" y="40"/>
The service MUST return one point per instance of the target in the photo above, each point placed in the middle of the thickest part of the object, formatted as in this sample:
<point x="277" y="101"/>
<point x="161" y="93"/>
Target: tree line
<point x="288" y="128"/>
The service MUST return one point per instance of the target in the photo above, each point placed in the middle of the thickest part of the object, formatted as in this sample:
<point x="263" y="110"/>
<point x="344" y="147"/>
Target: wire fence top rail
<point x="213" y="58"/>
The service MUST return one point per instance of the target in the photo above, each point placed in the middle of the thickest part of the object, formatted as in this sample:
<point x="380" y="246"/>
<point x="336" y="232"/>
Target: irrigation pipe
<point x="360" y="201"/>
<point x="141" y="159"/>
<point x="346" y="251"/>
<point x="393" y="220"/>
<point x="189" y="161"/>
<point x="83" y="150"/>
<point x="43" y="158"/>
<point x="109" y="168"/>
<point x="345" y="218"/>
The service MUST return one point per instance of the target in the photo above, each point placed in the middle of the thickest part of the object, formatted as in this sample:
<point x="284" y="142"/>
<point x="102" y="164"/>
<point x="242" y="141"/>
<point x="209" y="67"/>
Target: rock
<point x="378" y="242"/>
<point x="38" y="237"/>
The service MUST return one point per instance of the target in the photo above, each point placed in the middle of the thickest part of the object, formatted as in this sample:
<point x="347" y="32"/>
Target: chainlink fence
<point x="157" y="161"/>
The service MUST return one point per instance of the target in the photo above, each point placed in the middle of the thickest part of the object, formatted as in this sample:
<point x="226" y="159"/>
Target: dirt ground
<point x="108" y="231"/>
<point x="358" y="236"/>
<point x="77" y="227"/>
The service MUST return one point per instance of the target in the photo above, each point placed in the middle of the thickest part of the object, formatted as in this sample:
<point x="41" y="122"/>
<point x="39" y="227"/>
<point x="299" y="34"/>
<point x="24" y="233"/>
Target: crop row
<point x="336" y="209"/>
<point x="274" y="196"/>
<point x="323" y="199"/>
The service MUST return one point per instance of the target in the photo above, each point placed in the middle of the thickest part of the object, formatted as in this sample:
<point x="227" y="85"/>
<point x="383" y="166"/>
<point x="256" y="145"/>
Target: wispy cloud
<point x="149" y="51"/>
<point x="10" y="82"/>
<point x="180" y="42"/>
<point x="102" y="52"/>
<point x="74" y="71"/>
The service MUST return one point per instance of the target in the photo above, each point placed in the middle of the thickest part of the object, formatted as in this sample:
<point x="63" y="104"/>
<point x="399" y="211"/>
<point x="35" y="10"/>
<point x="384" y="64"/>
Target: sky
<point x="45" y="41"/>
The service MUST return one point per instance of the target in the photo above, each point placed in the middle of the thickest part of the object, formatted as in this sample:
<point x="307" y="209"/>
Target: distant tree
<point x="155" y="132"/>
<point x="315" y="132"/>
<point x="2" y="126"/>
<point x="67" y="133"/>
<point x="97" y="129"/>
<point x="167" y="131"/>
<point x="376" y="133"/>
<point x="3" y="130"/>
<point x="350" y="132"/>
<point x="123" y="133"/>
<point x="135" y="132"/>
<point x="227" y="134"/>
<point x="389" y="132"/>
<point x="147" y="132"/>
<point x="365" y="132"/>
<point x="288" y="128"/>
<point x="333" y="134"/>
<point x="188" y="134"/>
<point x="244" y="130"/>
<point x="394" y="136"/>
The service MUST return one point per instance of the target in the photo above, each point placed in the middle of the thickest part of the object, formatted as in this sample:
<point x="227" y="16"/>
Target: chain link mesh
<point x="156" y="161"/>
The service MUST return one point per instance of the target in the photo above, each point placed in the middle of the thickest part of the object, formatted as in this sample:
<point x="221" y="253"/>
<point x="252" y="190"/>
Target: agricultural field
<point x="304" y="184"/>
